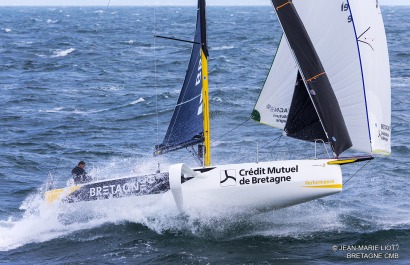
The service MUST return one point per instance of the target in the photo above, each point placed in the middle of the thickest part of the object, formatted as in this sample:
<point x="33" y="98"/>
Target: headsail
<point x="318" y="86"/>
<point x="189" y="124"/>
<point x="331" y="26"/>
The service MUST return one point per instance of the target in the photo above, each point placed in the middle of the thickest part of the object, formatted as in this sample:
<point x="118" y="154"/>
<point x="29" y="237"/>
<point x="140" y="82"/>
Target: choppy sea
<point x="94" y="84"/>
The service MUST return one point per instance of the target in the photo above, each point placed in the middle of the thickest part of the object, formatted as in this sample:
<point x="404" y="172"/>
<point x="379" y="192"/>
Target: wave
<point x="53" y="110"/>
<point x="42" y="222"/>
<point x="90" y="111"/>
<point x="216" y="99"/>
<point x="50" y="21"/>
<point x="130" y="42"/>
<point x="223" y="48"/>
<point x="112" y="88"/>
<point x="71" y="110"/>
<point x="62" y="53"/>
<point x="137" y="101"/>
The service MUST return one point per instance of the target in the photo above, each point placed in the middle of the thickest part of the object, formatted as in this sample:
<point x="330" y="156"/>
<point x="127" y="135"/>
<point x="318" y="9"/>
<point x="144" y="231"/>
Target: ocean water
<point x="93" y="84"/>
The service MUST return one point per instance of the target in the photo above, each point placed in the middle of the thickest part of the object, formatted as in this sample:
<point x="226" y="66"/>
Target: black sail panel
<point x="303" y="122"/>
<point x="186" y="125"/>
<point x="317" y="83"/>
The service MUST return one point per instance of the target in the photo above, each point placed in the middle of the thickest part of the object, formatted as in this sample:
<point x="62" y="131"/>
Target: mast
<point x="205" y="106"/>
<point x="205" y="98"/>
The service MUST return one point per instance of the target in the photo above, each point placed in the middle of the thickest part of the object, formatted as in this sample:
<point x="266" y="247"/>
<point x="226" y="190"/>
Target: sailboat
<point x="329" y="83"/>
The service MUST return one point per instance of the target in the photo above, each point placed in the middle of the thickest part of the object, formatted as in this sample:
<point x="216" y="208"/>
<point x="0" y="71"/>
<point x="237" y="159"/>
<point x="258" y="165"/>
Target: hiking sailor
<point x="79" y="174"/>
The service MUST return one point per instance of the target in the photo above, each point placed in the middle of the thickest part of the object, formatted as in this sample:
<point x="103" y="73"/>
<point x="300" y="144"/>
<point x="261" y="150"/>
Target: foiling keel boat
<point x="329" y="82"/>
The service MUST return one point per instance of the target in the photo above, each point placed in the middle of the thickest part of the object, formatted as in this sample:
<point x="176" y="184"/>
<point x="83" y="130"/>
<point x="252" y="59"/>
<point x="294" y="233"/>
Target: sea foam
<point x="62" y="53"/>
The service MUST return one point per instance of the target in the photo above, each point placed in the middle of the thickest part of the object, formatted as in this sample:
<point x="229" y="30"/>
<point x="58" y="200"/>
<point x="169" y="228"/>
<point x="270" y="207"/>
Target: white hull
<point x="260" y="186"/>
<point x="264" y="190"/>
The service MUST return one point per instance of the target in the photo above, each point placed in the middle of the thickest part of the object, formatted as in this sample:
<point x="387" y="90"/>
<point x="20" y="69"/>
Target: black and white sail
<point x="349" y="41"/>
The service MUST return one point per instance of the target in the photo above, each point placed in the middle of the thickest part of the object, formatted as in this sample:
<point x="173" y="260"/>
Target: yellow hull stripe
<point x="331" y="186"/>
<point x="54" y="195"/>
<point x="341" y="162"/>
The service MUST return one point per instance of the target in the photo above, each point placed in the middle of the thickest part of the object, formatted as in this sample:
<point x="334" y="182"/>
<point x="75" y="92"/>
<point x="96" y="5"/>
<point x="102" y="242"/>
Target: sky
<point x="154" y="2"/>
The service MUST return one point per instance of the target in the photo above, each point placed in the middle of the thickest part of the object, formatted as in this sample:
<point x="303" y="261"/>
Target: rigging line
<point x="236" y="127"/>
<point x="278" y="138"/>
<point x="194" y="154"/>
<point x="274" y="139"/>
<point x="155" y="72"/>
<point x="288" y="151"/>
<point x="171" y="38"/>
<point x="61" y="155"/>
<point x="285" y="151"/>
<point x="107" y="5"/>
<point x="310" y="157"/>
<point x="357" y="172"/>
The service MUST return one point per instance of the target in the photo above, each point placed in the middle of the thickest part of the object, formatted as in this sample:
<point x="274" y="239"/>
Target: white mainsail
<point x="359" y="75"/>
<point x="369" y="28"/>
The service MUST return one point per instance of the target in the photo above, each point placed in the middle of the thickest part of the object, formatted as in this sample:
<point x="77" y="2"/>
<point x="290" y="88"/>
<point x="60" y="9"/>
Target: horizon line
<point x="162" y="5"/>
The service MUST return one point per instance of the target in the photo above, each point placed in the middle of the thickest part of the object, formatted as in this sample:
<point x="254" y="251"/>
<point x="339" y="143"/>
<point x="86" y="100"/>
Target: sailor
<point x="79" y="174"/>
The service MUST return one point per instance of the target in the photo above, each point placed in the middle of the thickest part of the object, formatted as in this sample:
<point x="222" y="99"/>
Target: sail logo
<point x="228" y="177"/>
<point x="280" y="114"/>
<point x="384" y="132"/>
<point x="198" y="81"/>
<point x="199" y="74"/>
<point x="277" y="109"/>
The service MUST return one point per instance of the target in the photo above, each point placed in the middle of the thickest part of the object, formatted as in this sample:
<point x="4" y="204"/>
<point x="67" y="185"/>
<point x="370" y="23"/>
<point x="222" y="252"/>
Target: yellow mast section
<point x="205" y="108"/>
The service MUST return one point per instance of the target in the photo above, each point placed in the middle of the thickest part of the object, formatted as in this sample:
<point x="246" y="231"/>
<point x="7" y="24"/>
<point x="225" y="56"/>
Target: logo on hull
<point x="228" y="177"/>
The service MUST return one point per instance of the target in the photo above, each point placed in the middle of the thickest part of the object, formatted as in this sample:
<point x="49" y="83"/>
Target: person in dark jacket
<point x="79" y="174"/>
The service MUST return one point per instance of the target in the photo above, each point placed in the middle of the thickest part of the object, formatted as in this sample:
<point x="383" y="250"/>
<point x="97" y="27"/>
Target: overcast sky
<point x="153" y="2"/>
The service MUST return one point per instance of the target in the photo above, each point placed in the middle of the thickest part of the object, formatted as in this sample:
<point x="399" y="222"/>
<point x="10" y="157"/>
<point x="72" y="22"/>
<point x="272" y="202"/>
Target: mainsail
<point x="332" y="26"/>
<point x="189" y="124"/>
<point x="374" y="57"/>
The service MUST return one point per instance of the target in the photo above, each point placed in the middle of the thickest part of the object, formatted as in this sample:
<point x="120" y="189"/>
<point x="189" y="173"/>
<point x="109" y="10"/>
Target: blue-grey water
<point x="93" y="84"/>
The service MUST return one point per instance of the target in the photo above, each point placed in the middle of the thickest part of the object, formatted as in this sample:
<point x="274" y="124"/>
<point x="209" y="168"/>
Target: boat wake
<point x="42" y="222"/>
